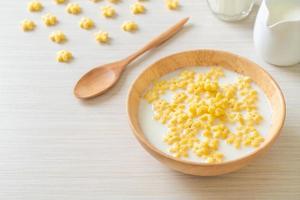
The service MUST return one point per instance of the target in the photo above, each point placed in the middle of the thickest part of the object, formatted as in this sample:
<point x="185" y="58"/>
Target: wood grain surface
<point x="54" y="147"/>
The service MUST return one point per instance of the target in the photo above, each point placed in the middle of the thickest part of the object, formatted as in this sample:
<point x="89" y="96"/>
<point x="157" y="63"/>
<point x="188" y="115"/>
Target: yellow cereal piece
<point x="247" y="142"/>
<point x="237" y="143"/>
<point x="138" y="8"/>
<point x="151" y="96"/>
<point x="208" y="149"/>
<point x="86" y="23"/>
<point x="58" y="37"/>
<point x="73" y="8"/>
<point x="172" y="4"/>
<point x="218" y="157"/>
<point x="207" y="133"/>
<point x="179" y="150"/>
<point x="102" y="37"/>
<point x="179" y="97"/>
<point x="114" y="1"/>
<point x="216" y="73"/>
<point x="35" y="6"/>
<point x="210" y="86"/>
<point x="214" y="144"/>
<point x="230" y="139"/>
<point x="64" y="56"/>
<point x="244" y="82"/>
<point x="187" y="75"/>
<point x="210" y="160"/>
<point x="49" y="19"/>
<point x="255" y="143"/>
<point x="254" y="117"/>
<point x="59" y="1"/>
<point x="130" y="26"/>
<point x="28" y="25"/>
<point x="108" y="11"/>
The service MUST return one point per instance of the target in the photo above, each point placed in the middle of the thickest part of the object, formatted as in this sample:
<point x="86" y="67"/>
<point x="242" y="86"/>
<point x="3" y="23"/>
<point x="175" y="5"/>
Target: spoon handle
<point x="158" y="40"/>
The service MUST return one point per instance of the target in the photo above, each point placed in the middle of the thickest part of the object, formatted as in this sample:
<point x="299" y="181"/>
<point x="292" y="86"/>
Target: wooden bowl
<point x="206" y="58"/>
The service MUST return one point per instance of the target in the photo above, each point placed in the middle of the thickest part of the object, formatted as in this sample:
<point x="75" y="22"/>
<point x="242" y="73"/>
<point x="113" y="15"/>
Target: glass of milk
<point x="231" y="10"/>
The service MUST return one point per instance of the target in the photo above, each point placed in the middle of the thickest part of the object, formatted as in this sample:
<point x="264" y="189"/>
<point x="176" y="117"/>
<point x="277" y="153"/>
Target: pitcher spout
<point x="277" y="31"/>
<point x="285" y="12"/>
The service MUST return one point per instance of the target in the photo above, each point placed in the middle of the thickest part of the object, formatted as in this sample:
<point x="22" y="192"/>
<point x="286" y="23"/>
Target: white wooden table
<point x="54" y="147"/>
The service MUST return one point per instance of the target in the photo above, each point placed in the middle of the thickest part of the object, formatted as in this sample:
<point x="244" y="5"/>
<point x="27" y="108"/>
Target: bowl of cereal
<point x="205" y="112"/>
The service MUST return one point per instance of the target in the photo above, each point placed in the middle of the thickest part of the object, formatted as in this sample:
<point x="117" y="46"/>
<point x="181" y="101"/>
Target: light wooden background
<point x="54" y="147"/>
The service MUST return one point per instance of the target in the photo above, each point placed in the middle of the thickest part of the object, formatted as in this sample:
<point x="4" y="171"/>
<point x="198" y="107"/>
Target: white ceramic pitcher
<point x="277" y="32"/>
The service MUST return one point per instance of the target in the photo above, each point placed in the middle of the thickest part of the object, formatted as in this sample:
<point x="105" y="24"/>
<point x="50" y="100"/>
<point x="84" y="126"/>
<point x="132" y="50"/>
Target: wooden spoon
<point x="100" y="79"/>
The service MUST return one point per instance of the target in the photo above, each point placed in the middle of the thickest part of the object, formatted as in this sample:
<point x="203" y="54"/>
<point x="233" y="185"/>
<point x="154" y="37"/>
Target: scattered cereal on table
<point x="86" y="23"/>
<point x="137" y="8"/>
<point x="59" y="1"/>
<point x="114" y="1"/>
<point x="73" y="8"/>
<point x="28" y="25"/>
<point x="49" y="19"/>
<point x="130" y="26"/>
<point x="64" y="56"/>
<point x="58" y="37"/>
<point x="172" y="4"/>
<point x="102" y="37"/>
<point x="35" y="6"/>
<point x="108" y="11"/>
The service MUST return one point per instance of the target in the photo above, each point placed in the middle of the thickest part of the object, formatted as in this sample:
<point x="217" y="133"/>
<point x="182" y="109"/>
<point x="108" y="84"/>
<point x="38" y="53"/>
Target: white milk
<point x="231" y="9"/>
<point x="155" y="131"/>
<point x="286" y="11"/>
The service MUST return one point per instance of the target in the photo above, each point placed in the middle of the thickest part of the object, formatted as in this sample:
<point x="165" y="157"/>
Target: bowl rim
<point x="144" y="141"/>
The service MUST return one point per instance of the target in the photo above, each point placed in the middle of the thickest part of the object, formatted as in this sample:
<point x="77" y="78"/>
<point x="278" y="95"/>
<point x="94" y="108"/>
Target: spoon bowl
<point x="98" y="80"/>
